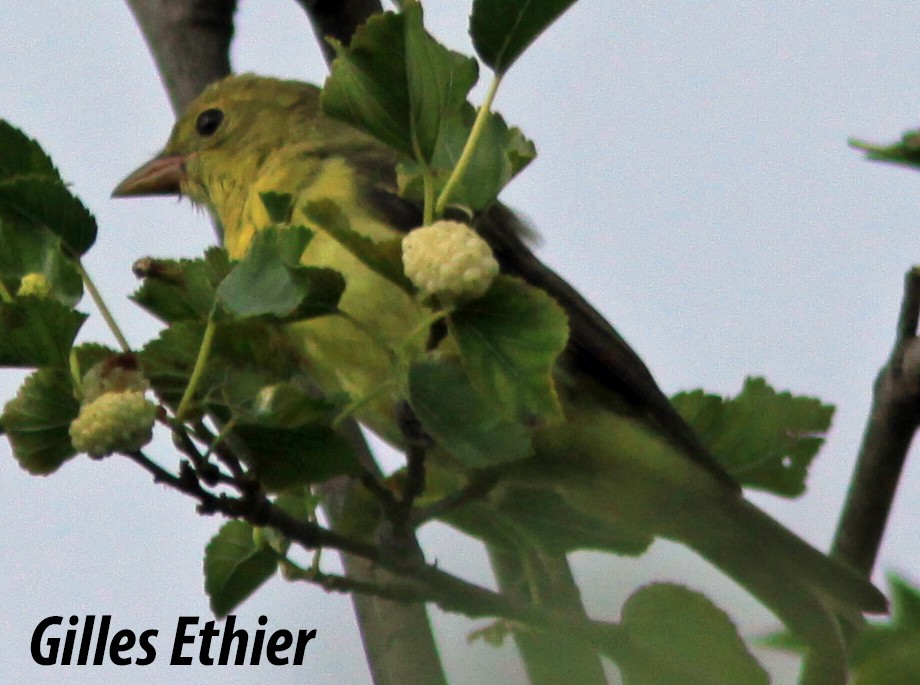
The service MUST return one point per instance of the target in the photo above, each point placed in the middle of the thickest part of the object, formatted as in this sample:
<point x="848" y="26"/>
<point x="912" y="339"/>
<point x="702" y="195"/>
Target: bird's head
<point x="223" y="136"/>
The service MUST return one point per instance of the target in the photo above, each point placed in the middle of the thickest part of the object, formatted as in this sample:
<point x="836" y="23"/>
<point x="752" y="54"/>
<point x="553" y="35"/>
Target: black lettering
<point x="303" y="637"/>
<point x="181" y="639"/>
<point x="279" y="636"/>
<point x="69" y="638"/>
<point x="257" y="643"/>
<point x="122" y="641"/>
<point x="86" y="640"/>
<point x="145" y="643"/>
<point x="229" y="636"/>
<point x="206" y="633"/>
<point x="102" y="640"/>
<point x="50" y="657"/>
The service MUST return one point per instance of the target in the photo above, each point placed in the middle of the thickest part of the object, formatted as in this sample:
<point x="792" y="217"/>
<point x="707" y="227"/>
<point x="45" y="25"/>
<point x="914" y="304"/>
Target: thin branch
<point x="397" y="637"/>
<point x="893" y="420"/>
<point x="417" y="444"/>
<point x="190" y="42"/>
<point x="337" y="19"/>
<point x="217" y="445"/>
<point x="209" y="473"/>
<point x="447" y="591"/>
<point x="395" y="591"/>
<point x="481" y="483"/>
<point x="547" y="581"/>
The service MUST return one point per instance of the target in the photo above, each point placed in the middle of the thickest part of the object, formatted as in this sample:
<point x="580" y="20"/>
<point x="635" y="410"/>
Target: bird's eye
<point x="208" y="122"/>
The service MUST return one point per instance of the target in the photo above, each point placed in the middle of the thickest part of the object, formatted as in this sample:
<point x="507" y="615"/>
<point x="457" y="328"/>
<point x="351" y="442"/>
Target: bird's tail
<point x="814" y="595"/>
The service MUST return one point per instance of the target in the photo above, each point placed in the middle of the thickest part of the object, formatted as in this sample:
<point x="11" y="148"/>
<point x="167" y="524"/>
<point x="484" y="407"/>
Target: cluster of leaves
<point x="398" y="84"/>
<point x="44" y="230"/>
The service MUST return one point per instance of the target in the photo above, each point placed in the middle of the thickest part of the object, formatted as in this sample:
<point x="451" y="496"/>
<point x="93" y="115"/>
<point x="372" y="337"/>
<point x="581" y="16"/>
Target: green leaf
<point x="30" y="249"/>
<point x="503" y="29"/>
<point x="241" y="349"/>
<point x="905" y="153"/>
<point x="168" y="359"/>
<point x="280" y="206"/>
<point x="285" y="404"/>
<point x="675" y="635"/>
<point x="21" y="155"/>
<point x="235" y="567"/>
<point x="176" y="290"/>
<point x="509" y="340"/>
<point x="269" y="281"/>
<point x="398" y="84"/>
<point x="462" y="420"/>
<point x="288" y="457"/>
<point x="298" y="502"/>
<point x="501" y="154"/>
<point x="46" y="202"/>
<point x="90" y="354"/>
<point x="438" y="82"/>
<point x="886" y="653"/>
<point x="367" y="86"/>
<point x="763" y="438"/>
<point x="285" y="431"/>
<point x="254" y="345"/>
<point x="37" y="421"/>
<point x="37" y="332"/>
<point x="384" y="258"/>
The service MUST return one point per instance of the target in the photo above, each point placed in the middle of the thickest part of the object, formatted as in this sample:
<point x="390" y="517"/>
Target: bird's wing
<point x="595" y="349"/>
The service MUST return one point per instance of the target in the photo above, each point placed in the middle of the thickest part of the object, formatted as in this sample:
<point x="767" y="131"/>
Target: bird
<point x="622" y="457"/>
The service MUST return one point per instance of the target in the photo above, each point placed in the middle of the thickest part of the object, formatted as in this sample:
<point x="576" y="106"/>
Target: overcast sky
<point x="693" y="181"/>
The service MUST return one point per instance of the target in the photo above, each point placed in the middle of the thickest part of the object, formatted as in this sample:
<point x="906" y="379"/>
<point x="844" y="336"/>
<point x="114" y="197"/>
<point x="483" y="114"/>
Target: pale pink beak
<point x="160" y="176"/>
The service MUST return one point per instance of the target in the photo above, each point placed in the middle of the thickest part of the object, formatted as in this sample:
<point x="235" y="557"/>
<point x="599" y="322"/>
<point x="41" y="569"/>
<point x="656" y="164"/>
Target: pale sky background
<point x="693" y="181"/>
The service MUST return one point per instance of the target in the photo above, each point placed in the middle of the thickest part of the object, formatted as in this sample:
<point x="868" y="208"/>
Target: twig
<point x="395" y="591"/>
<point x="480" y="484"/>
<point x="217" y="445"/>
<point x="337" y="19"/>
<point x="893" y="420"/>
<point x="207" y="472"/>
<point x="101" y="305"/>
<point x="449" y="592"/>
<point x="189" y="40"/>
<point x="417" y="444"/>
<point x="547" y="580"/>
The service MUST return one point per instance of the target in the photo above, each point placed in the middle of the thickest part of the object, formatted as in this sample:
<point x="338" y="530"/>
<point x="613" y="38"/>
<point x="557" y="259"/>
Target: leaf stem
<point x="466" y="155"/>
<point x="356" y="405"/>
<point x="428" y="207"/>
<point x="427" y="184"/>
<point x="424" y="326"/>
<point x="224" y="431"/>
<point x="101" y="306"/>
<point x="371" y="335"/>
<point x="76" y="376"/>
<point x="5" y="293"/>
<point x="204" y="350"/>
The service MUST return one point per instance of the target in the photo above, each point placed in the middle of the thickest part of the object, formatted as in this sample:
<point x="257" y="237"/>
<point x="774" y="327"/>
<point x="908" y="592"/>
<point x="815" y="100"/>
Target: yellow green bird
<point x="623" y="455"/>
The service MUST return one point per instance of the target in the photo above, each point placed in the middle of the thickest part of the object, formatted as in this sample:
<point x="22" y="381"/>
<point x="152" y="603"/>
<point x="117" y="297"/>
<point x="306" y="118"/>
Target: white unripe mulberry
<point x="449" y="259"/>
<point x="113" y="422"/>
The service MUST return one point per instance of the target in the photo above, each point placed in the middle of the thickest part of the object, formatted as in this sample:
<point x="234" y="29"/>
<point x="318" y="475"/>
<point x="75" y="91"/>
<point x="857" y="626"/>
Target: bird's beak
<point x="160" y="176"/>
